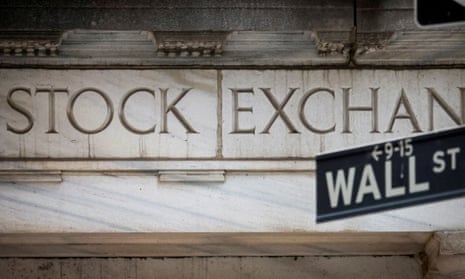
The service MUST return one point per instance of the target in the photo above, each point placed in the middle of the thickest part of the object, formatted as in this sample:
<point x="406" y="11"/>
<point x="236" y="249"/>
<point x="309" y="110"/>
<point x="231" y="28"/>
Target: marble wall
<point x="108" y="134"/>
<point x="216" y="114"/>
<point x="245" y="202"/>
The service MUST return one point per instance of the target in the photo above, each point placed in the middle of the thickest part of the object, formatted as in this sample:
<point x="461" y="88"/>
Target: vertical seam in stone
<point x="219" y="110"/>
<point x="88" y="147"/>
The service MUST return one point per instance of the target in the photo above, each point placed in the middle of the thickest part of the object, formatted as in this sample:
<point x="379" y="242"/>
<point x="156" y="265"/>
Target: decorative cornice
<point x="401" y="48"/>
<point x="190" y="44"/>
<point x="329" y="46"/>
<point x="89" y="48"/>
<point x="16" y="43"/>
<point x="237" y="49"/>
<point x="372" y="42"/>
<point x="28" y="47"/>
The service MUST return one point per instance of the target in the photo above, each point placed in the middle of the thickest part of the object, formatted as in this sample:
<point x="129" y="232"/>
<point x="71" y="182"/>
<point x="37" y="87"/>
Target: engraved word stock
<point x="165" y="109"/>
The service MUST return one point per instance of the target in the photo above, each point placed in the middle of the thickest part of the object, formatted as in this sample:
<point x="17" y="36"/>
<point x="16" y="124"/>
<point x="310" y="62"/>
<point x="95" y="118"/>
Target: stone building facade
<point x="172" y="139"/>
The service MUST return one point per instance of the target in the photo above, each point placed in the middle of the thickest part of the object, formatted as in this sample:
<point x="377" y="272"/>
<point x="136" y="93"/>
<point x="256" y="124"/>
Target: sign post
<point x="394" y="174"/>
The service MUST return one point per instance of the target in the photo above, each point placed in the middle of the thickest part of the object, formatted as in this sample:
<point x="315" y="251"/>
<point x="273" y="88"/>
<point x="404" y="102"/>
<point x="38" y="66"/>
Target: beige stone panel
<point x="323" y="111"/>
<point x="142" y="111"/>
<point x="219" y="267"/>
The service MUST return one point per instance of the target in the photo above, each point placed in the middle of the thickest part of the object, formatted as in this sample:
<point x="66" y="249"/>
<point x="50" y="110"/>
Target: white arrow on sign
<point x="376" y="152"/>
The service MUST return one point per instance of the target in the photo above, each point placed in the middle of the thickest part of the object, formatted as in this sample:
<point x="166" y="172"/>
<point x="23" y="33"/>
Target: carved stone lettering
<point x="373" y="109"/>
<point x="409" y="114"/>
<point x="303" y="113"/>
<point x="22" y="110"/>
<point x="304" y="119"/>
<point x="435" y="97"/>
<point x="279" y="107"/>
<point x="51" y="105"/>
<point x="237" y="108"/>
<point x="72" y="118"/>
<point x="108" y="113"/>
<point x="122" y="115"/>
<point x="265" y="114"/>
<point x="165" y="108"/>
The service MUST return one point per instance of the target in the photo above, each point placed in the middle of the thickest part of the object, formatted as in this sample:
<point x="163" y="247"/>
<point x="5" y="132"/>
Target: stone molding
<point x="235" y="48"/>
<point x="446" y="255"/>
<point x="174" y="49"/>
<point x="29" y="44"/>
<point x="192" y="44"/>
<point x="333" y="43"/>
<point x="18" y="171"/>
<point x="20" y="176"/>
<point x="405" y="48"/>
<point x="172" y="244"/>
<point x="28" y="48"/>
<point x="372" y="42"/>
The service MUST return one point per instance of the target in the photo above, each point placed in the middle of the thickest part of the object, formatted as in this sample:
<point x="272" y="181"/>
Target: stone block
<point x="287" y="114"/>
<point x="112" y="113"/>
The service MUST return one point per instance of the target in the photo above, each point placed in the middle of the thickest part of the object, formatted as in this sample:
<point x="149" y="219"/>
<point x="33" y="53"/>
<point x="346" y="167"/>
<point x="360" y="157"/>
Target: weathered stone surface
<point x="359" y="27"/>
<point x="256" y="49"/>
<point x="202" y="244"/>
<point x="214" y="267"/>
<point x="179" y="15"/>
<point x="327" y="110"/>
<point x="387" y="35"/>
<point x="170" y="114"/>
<point x="413" y="48"/>
<point x="263" y="202"/>
<point x="265" y="114"/>
<point x="389" y="15"/>
<point x="280" y="198"/>
<point x="446" y="255"/>
<point x="87" y="48"/>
